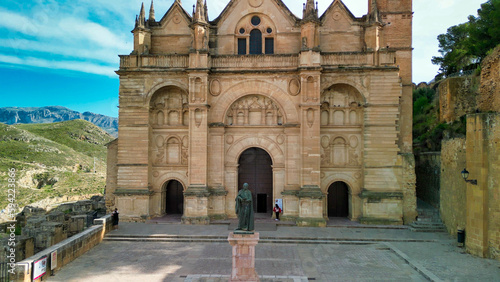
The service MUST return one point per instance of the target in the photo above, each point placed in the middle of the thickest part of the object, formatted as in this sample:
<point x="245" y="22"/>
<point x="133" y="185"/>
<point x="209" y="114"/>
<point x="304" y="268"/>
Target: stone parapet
<point x="67" y="250"/>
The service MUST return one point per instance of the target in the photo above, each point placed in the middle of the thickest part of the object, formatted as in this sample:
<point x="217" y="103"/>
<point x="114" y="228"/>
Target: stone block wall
<point x="456" y="98"/>
<point x="67" y="250"/>
<point x="483" y="199"/>
<point x="452" y="186"/>
<point x="428" y="171"/>
<point x="489" y="99"/>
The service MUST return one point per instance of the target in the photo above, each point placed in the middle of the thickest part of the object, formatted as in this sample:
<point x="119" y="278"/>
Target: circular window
<point x="255" y="20"/>
<point x="242" y="30"/>
<point x="269" y="30"/>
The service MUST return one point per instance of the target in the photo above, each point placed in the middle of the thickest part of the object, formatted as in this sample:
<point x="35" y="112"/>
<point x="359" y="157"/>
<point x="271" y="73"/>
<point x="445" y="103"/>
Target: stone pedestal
<point x="243" y="256"/>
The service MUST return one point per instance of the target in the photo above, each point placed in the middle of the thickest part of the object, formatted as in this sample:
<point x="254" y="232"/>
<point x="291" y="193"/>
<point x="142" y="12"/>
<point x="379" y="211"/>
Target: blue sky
<point x="65" y="52"/>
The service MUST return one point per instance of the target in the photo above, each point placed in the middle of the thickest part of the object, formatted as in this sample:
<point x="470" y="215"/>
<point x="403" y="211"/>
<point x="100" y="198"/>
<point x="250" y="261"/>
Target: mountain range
<point x="50" y="114"/>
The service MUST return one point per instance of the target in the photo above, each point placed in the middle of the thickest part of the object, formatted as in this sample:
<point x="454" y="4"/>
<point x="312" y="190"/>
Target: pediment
<point x="237" y="9"/>
<point x="175" y="21"/>
<point x="337" y="16"/>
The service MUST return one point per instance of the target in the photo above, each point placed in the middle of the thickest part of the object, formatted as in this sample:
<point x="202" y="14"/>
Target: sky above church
<point x="65" y="52"/>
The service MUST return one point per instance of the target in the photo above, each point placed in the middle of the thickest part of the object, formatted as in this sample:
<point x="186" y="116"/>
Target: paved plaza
<point x="175" y="252"/>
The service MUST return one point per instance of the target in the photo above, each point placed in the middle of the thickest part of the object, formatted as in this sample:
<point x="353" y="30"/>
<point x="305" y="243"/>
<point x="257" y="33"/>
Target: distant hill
<point x="15" y="115"/>
<point x="53" y="160"/>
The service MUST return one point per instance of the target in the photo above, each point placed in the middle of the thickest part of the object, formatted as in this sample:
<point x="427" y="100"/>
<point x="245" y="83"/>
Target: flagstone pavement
<point x="168" y="251"/>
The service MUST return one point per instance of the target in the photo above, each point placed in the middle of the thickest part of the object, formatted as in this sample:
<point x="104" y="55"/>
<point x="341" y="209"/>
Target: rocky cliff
<point x="14" y="115"/>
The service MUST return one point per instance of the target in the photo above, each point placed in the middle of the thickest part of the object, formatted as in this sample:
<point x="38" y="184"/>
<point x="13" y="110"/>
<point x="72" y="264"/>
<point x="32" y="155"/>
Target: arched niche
<point x="168" y="107"/>
<point x="342" y="105"/>
<point x="252" y="110"/>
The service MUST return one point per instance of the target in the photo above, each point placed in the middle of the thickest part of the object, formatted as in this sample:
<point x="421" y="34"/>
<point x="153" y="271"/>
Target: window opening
<point x="255" y="42"/>
<point x="269" y="45"/>
<point x="255" y="20"/>
<point x="242" y="46"/>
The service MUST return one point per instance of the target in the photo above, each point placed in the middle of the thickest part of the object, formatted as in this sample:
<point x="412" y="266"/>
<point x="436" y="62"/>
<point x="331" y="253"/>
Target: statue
<point x="244" y="209"/>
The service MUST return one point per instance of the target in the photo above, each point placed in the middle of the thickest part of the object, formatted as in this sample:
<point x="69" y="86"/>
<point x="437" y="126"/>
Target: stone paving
<point x="349" y="253"/>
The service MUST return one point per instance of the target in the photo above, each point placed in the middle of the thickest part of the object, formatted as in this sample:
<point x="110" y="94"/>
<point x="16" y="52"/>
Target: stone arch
<point x="339" y="177"/>
<point x="354" y="190"/>
<point x="271" y="147"/>
<point x="169" y="83"/>
<point x="257" y="87"/>
<point x="164" y="178"/>
<point x="350" y="82"/>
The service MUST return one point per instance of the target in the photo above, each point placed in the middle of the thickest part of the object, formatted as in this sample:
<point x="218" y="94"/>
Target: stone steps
<point x="268" y="240"/>
<point x="429" y="220"/>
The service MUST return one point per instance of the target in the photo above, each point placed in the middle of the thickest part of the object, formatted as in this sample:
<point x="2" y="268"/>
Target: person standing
<point x="277" y="210"/>
<point x="114" y="218"/>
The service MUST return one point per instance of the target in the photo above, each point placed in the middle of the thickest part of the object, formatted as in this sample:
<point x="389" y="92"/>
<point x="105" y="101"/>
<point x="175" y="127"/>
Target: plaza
<point x="343" y="251"/>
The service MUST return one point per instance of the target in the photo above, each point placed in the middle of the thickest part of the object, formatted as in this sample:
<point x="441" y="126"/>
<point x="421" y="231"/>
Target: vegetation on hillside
<point x="52" y="160"/>
<point x="428" y="132"/>
<point x="464" y="46"/>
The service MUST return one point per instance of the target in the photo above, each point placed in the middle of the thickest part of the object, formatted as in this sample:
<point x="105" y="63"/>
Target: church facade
<point x="315" y="112"/>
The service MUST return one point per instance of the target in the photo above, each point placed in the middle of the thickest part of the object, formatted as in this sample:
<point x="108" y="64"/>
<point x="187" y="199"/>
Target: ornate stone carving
<point x="340" y="106"/>
<point x="310" y="117"/>
<point x="177" y="18"/>
<point x="280" y="139"/>
<point x="170" y="150"/>
<point x="254" y="110"/>
<point x="169" y="107"/>
<point x="255" y="3"/>
<point x="337" y="152"/>
<point x="198" y="117"/>
<point x="229" y="139"/>
<point x="294" y="87"/>
<point x="215" y="87"/>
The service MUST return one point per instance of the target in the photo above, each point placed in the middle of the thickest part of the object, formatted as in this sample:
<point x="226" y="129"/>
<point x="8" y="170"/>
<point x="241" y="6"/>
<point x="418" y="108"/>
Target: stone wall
<point x="409" y="191"/>
<point x="67" y="250"/>
<point x="483" y="199"/>
<point x="453" y="187"/>
<point x="428" y="171"/>
<point x="489" y="99"/>
<point x="456" y="98"/>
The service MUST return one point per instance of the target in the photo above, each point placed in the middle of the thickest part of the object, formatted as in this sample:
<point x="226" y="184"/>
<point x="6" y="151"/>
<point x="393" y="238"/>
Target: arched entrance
<point x="338" y="200"/>
<point x="255" y="168"/>
<point x="174" y="203"/>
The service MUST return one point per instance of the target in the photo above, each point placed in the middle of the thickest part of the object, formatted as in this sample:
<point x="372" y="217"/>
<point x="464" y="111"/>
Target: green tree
<point x="465" y="45"/>
<point x="454" y="50"/>
<point x="484" y="33"/>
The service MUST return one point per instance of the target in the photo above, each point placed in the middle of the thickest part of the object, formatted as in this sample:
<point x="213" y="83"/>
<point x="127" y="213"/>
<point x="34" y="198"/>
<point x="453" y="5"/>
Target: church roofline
<point x="233" y="2"/>
<point x="322" y="18"/>
<point x="175" y="4"/>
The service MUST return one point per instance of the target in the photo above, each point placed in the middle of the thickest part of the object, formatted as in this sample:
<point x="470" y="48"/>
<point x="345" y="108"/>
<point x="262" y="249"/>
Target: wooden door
<point x="175" y="198"/>
<point x="338" y="200"/>
<point x="255" y="168"/>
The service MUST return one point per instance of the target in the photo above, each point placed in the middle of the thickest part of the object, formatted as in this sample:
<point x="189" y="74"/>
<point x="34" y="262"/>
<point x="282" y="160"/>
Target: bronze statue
<point x="244" y="209"/>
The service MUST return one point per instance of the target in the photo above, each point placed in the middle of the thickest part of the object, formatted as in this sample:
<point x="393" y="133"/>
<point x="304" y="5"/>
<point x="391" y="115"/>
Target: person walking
<point x="277" y="210"/>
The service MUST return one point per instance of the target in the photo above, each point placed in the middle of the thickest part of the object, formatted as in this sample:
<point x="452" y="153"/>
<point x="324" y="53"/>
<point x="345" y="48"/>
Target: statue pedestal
<point x="243" y="256"/>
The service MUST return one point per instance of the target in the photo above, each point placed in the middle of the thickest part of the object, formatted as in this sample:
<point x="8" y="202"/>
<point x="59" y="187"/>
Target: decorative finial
<point x="152" y="12"/>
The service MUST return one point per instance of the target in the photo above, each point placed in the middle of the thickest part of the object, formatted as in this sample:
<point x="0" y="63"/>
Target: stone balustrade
<point x="358" y="58"/>
<point x="154" y="61"/>
<point x="255" y="61"/>
<point x="261" y="62"/>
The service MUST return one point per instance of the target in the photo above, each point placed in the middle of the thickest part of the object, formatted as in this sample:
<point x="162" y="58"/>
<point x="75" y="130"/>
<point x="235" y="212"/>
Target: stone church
<point x="315" y="112"/>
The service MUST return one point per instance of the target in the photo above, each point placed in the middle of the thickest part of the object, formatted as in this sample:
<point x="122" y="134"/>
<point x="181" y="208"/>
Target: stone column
<point x="243" y="256"/>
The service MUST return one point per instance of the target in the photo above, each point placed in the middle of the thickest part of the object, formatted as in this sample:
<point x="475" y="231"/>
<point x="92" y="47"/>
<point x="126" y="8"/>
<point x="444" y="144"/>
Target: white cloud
<point x="59" y="65"/>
